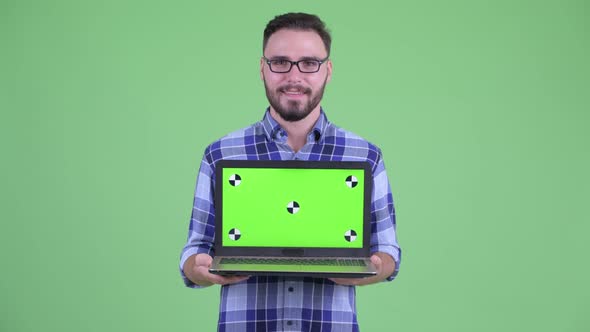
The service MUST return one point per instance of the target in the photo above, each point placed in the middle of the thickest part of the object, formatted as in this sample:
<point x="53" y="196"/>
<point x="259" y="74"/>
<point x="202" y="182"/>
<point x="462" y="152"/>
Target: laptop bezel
<point x="221" y="250"/>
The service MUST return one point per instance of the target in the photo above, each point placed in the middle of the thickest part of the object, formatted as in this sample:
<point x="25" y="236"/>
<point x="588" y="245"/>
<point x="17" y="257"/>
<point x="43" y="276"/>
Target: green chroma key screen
<point x="293" y="207"/>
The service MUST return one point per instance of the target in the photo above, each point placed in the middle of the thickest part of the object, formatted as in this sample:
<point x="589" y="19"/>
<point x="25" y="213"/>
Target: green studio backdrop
<point x="480" y="108"/>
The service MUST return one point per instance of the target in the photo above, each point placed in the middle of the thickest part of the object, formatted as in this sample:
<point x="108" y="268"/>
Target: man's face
<point x="294" y="95"/>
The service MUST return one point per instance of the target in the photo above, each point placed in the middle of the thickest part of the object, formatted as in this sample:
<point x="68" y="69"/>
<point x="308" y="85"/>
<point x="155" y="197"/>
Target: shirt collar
<point x="274" y="131"/>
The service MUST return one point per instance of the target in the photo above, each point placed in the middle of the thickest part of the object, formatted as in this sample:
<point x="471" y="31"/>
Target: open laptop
<point x="293" y="218"/>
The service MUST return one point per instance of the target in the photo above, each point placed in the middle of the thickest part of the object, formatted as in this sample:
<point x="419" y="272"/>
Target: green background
<point x="328" y="207"/>
<point x="480" y="107"/>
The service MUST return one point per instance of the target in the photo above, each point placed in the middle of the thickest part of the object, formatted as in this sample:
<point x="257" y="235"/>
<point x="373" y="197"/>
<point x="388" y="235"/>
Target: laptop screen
<point x="292" y="207"/>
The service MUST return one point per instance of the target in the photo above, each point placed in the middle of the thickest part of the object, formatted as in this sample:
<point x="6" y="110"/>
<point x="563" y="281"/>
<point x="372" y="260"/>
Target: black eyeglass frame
<point x="296" y="63"/>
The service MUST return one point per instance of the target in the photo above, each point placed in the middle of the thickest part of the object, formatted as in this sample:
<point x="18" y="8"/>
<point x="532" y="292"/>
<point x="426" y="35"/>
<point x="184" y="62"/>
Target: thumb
<point x="203" y="260"/>
<point x="377" y="261"/>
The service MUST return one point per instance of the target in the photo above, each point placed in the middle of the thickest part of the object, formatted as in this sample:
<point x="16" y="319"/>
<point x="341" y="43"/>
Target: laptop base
<point x="294" y="270"/>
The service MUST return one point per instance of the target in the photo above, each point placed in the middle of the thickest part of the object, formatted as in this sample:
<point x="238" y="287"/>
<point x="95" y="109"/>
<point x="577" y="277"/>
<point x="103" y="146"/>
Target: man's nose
<point x="294" y="75"/>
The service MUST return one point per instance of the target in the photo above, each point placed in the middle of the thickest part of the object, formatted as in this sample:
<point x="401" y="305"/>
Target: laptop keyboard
<point x="295" y="261"/>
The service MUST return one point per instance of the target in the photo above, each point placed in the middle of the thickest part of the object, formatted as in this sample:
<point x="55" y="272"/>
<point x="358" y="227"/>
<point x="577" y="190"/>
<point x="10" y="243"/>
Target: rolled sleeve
<point x="201" y="231"/>
<point x="383" y="226"/>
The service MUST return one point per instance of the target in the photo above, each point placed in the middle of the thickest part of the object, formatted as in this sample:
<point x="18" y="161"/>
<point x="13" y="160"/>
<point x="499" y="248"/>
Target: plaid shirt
<point x="278" y="303"/>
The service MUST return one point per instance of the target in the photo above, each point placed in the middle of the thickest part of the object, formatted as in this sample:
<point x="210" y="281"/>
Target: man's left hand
<point x="385" y="266"/>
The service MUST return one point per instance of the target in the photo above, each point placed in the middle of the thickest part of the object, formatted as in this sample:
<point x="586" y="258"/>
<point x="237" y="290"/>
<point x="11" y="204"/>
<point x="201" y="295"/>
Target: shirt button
<point x="290" y="289"/>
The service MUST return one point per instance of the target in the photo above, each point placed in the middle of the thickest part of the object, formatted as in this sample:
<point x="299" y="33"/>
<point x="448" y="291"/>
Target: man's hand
<point x="196" y="268"/>
<point x="385" y="266"/>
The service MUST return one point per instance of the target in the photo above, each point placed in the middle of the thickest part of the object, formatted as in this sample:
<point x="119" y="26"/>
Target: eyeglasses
<point x="284" y="66"/>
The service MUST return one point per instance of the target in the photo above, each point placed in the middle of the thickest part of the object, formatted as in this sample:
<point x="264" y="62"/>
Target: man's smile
<point x="294" y="92"/>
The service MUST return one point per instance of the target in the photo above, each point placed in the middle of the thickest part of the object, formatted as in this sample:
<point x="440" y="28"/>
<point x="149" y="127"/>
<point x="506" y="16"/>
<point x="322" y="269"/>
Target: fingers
<point x="200" y="273"/>
<point x="340" y="281"/>
<point x="233" y="279"/>
<point x="347" y="281"/>
<point x="223" y="280"/>
<point x="204" y="274"/>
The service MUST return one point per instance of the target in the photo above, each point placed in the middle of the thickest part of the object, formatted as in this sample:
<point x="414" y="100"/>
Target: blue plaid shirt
<point x="278" y="303"/>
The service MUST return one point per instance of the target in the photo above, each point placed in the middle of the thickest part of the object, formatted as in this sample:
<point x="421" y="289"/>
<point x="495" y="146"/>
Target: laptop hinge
<point x="293" y="252"/>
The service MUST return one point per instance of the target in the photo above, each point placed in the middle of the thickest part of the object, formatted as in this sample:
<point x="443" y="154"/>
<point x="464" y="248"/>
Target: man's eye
<point x="280" y="62"/>
<point x="310" y="63"/>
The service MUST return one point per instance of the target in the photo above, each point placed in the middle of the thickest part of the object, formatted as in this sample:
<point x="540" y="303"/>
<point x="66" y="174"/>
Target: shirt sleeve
<point x="383" y="227"/>
<point x="201" y="230"/>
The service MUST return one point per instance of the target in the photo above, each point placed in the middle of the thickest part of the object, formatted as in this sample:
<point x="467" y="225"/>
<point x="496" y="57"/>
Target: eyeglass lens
<point x="305" y="66"/>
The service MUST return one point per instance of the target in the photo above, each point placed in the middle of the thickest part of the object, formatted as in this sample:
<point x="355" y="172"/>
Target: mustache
<point x="296" y="87"/>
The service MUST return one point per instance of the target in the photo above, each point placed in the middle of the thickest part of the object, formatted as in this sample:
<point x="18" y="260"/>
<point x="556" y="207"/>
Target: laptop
<point x="293" y="218"/>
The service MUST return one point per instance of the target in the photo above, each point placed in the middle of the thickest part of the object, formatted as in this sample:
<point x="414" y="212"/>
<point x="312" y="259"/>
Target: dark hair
<point x="298" y="21"/>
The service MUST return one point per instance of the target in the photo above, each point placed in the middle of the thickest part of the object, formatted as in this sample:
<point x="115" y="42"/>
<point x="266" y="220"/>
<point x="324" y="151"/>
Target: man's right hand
<point x="196" y="268"/>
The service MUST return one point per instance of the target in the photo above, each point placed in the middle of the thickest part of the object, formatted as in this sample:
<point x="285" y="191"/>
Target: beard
<point x="294" y="110"/>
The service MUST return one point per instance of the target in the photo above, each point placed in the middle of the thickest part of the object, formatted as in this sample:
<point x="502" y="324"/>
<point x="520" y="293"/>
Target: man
<point x="295" y="68"/>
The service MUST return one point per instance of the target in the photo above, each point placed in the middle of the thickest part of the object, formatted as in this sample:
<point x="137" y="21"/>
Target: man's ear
<point x="262" y="69"/>
<point x="329" y="66"/>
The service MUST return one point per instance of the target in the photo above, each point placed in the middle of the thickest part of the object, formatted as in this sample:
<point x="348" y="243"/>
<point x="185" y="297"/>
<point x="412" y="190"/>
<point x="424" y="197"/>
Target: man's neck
<point x="297" y="131"/>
